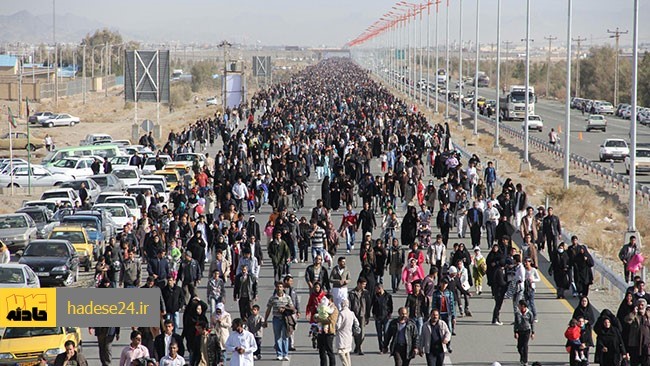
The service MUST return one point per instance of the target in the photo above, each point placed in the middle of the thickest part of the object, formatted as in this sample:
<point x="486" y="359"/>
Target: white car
<point x="613" y="149"/>
<point x="130" y="175"/>
<point x="211" y="101"/>
<point x="76" y="167"/>
<point x="60" y="120"/>
<point x="61" y="194"/>
<point x="40" y="177"/>
<point x="132" y="149"/>
<point x="150" y="164"/>
<point x="130" y="202"/>
<point x="120" y="161"/>
<point x="191" y="157"/>
<point x="642" y="161"/>
<point x="50" y="205"/>
<point x="161" y="188"/>
<point x="91" y="186"/>
<point x="120" y="213"/>
<point x="535" y="122"/>
<point x="14" y="275"/>
<point x="603" y="107"/>
<point x="94" y="138"/>
<point x="596" y="122"/>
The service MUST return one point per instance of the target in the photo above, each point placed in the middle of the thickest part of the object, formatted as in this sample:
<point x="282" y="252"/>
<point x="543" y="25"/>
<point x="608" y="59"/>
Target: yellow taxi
<point x="23" y="346"/>
<point x="179" y="167"/>
<point x="172" y="177"/>
<point x="79" y="239"/>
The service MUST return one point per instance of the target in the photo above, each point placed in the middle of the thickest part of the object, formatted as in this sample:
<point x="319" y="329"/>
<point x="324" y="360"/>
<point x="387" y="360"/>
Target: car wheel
<point x="30" y="147"/>
<point x="50" y="125"/>
<point x="72" y="123"/>
<point x="588" y="129"/>
<point x="604" y="130"/>
<point x="69" y="281"/>
<point x="601" y="158"/>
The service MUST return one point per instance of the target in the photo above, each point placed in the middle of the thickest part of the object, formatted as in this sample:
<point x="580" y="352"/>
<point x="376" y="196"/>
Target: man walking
<point x="360" y="305"/>
<point x="626" y="253"/>
<point x="339" y="279"/>
<point x="475" y="222"/>
<point x="105" y="337"/>
<point x="280" y="255"/>
<point x="402" y="339"/>
<point x="491" y="217"/>
<point x="189" y="274"/>
<point x="435" y="336"/>
<point x="382" y="310"/>
<point x="444" y="223"/>
<point x="245" y="292"/>
<point x="524" y="328"/>
<point x="277" y="305"/>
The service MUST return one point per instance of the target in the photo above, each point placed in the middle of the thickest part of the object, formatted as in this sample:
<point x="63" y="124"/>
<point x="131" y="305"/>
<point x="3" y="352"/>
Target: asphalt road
<point x="478" y="342"/>
<point x="582" y="143"/>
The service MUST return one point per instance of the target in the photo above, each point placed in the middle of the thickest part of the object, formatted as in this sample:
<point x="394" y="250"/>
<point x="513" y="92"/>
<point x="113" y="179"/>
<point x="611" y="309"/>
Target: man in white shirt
<point x="173" y="358"/>
<point x="490" y="220"/>
<point x="239" y="192"/>
<point x="241" y="343"/>
<point x="519" y="277"/>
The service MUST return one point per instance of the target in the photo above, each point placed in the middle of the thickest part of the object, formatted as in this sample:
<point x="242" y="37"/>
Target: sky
<point x="334" y="22"/>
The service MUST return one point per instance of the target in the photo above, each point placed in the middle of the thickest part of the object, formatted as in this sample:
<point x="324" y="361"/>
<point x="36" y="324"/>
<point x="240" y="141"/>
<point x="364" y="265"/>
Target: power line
<point x="616" y="34"/>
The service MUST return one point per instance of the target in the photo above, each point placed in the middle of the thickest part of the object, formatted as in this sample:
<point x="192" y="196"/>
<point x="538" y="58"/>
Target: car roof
<point x="59" y="190"/>
<point x="32" y="208"/>
<point x="57" y="241"/>
<point x="21" y="214"/>
<point x="13" y="265"/>
<point x="68" y="228"/>
<point x="127" y="167"/>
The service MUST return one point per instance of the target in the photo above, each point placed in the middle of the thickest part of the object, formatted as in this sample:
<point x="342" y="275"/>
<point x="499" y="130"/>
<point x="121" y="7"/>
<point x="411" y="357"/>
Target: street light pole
<point x="460" y="65"/>
<point x="428" y="54"/>
<point x="447" y="74"/>
<point x="437" y="54"/>
<point x="526" y="163"/>
<point x="567" y="101"/>
<point x="478" y="48"/>
<point x="497" y="113"/>
<point x="631" y="217"/>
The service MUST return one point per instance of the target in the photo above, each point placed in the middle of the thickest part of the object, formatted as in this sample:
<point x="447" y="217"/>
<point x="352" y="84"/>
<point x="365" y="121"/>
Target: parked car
<point x="41" y="215"/>
<point x="17" y="230"/>
<point x="161" y="188"/>
<point x="74" y="166"/>
<point x="120" y="161"/>
<point x="60" y="120"/>
<point x="120" y="213"/>
<point x="93" y="138"/>
<point x="211" y="101"/>
<point x="613" y="149"/>
<point x="596" y="122"/>
<point x="61" y="194"/>
<point x="106" y="224"/>
<point x="535" y="122"/>
<point x="191" y="157"/>
<point x="129" y="175"/>
<point x="132" y="149"/>
<point x="171" y="175"/>
<point x="642" y="162"/>
<point x="603" y="107"/>
<point x="108" y="182"/>
<point x="93" y="231"/>
<point x="23" y="346"/>
<point x="50" y="205"/>
<point x="619" y="109"/>
<point x="55" y="262"/>
<point x="5" y="163"/>
<point x="40" y="177"/>
<point x="91" y="186"/>
<point x="107" y="194"/>
<point x="38" y="117"/>
<point x="79" y="237"/>
<point x="20" y="140"/>
<point x="130" y="202"/>
<point x="150" y="164"/>
<point x="16" y="275"/>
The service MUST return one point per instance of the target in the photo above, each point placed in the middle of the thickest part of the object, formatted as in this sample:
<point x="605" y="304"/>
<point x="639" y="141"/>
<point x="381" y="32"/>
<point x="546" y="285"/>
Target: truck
<point x="441" y="77"/>
<point x="513" y="104"/>
<point x="483" y="80"/>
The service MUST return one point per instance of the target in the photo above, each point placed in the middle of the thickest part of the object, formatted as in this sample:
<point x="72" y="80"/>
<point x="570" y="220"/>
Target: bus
<point x="105" y="151"/>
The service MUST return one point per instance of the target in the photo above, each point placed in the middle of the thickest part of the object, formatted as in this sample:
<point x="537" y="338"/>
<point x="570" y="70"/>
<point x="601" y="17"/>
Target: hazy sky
<point x="334" y="22"/>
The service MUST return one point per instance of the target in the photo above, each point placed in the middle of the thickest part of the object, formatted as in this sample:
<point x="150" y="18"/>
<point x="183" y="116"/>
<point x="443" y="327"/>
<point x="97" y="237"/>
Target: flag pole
<point x="11" y="151"/>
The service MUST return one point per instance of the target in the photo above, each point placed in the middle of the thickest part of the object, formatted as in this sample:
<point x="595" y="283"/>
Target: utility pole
<point x="550" y="40"/>
<point x="616" y="34"/>
<point x="83" y="77"/>
<point x="506" y="74"/>
<point x="490" y="71"/>
<point x="579" y="41"/>
<point x="56" y="55"/>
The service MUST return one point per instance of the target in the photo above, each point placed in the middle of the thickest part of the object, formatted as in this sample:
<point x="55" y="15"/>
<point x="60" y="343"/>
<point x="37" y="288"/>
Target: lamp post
<point x="437" y="50"/>
<point x="497" y="113"/>
<point x="478" y="48"/>
<point x="460" y="65"/>
<point x="447" y="74"/>
<point x="567" y="101"/>
<point x="526" y="164"/>
<point x="631" y="217"/>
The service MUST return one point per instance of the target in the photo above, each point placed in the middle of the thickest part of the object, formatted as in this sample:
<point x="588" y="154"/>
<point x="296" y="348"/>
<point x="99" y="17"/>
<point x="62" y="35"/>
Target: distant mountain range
<point x="24" y="26"/>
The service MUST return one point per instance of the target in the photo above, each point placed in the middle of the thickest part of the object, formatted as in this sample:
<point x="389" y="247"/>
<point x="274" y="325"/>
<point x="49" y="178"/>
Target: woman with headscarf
<point x="344" y="335"/>
<point x="610" y="348"/>
<point x="585" y="310"/>
<point x="325" y="192"/>
<point x="626" y="307"/>
<point x="583" y="275"/>
<point x="221" y="322"/>
<point x="335" y="194"/>
<point x="368" y="274"/>
<point x="560" y="270"/>
<point x="315" y="298"/>
<point x="409" y="226"/>
<point x="195" y="312"/>
<point x="479" y="268"/>
<point x="411" y="272"/>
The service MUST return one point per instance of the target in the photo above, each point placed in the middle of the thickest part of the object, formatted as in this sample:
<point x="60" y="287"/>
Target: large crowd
<point x="332" y="126"/>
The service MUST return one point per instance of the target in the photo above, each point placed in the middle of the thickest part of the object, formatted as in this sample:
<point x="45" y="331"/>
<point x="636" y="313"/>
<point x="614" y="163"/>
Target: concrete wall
<point x="9" y="91"/>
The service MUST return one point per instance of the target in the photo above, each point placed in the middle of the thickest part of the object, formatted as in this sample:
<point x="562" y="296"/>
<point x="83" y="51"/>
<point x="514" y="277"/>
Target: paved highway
<point x="582" y="143"/>
<point x="478" y="342"/>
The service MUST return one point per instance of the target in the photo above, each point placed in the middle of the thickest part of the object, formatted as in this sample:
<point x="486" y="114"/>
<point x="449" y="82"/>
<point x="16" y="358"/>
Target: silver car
<point x="17" y="230"/>
<point x="60" y="120"/>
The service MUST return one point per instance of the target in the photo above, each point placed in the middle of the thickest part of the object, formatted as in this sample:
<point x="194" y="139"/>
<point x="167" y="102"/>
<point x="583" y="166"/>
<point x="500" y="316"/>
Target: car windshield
<point x="643" y="153"/>
<point x="75" y="184"/>
<point x="86" y="224"/>
<point x="534" y="118"/>
<point x="30" y="332"/>
<point x="66" y="163"/>
<point x="46" y="250"/>
<point x="71" y="236"/>
<point x="12" y="275"/>
<point x="12" y="222"/>
<point x="125" y="174"/>
<point x="128" y="202"/>
<point x="157" y="185"/>
<point x="101" y="181"/>
<point x="115" y="211"/>
<point x="616" y="143"/>
<point x="37" y="216"/>
<point x="185" y="157"/>
<point x="171" y="178"/>
<point x="520" y="97"/>
<point x="597" y="117"/>
<point x="152" y="161"/>
<point x="49" y="205"/>
<point x="48" y="195"/>
<point x="120" y="160"/>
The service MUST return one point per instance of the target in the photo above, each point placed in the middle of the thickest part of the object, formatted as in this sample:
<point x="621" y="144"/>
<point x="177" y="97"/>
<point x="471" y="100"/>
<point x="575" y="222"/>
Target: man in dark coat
<point x="197" y="245"/>
<point x="163" y="340"/>
<point x="475" y="222"/>
<point x="443" y="222"/>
